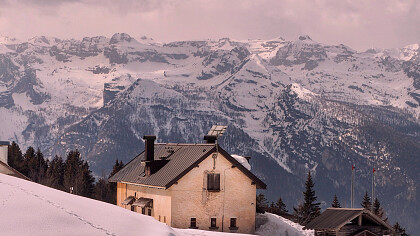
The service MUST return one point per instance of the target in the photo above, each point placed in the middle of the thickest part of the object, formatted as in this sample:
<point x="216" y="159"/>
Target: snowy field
<point x="27" y="208"/>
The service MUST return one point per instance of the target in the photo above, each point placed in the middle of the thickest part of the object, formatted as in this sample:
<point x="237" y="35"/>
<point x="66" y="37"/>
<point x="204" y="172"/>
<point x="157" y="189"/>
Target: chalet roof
<point x="181" y="159"/>
<point x="335" y="218"/>
<point x="13" y="172"/>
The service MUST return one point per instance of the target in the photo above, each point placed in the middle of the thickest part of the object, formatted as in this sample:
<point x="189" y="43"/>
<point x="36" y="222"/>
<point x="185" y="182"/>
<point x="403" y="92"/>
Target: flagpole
<point x="352" y="186"/>
<point x="373" y="188"/>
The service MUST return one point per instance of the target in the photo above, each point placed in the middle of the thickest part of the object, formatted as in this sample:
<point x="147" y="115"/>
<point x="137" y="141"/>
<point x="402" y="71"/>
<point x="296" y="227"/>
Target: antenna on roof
<point x="217" y="130"/>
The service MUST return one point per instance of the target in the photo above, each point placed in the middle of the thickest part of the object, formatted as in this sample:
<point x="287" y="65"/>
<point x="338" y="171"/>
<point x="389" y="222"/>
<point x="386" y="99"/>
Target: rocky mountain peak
<point x="121" y="37"/>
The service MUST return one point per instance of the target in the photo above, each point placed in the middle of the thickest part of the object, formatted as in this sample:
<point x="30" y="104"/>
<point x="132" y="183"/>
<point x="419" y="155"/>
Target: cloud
<point x="359" y="24"/>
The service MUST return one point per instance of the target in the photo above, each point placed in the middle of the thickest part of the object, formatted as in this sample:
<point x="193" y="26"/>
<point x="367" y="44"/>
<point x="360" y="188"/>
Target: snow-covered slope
<point x="28" y="208"/>
<point x="277" y="225"/>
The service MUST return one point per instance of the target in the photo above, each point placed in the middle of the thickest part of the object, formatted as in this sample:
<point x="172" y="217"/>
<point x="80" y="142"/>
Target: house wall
<point x="161" y="200"/>
<point x="5" y="170"/>
<point x="236" y="198"/>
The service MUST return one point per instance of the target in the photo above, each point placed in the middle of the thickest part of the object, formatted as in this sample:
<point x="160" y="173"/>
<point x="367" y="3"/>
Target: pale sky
<point x="359" y="24"/>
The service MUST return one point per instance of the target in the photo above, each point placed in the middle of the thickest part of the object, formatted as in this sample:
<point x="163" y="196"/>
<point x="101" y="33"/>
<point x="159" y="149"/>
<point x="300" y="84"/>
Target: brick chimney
<point x="149" y="147"/>
<point x="3" y="151"/>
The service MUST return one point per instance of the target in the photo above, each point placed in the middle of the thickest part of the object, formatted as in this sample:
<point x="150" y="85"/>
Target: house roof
<point x="181" y="159"/>
<point x="13" y="172"/>
<point x="335" y="218"/>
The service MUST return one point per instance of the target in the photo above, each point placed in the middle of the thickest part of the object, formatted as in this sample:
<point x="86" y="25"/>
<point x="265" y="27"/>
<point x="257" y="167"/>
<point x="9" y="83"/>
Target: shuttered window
<point x="213" y="182"/>
<point x="232" y="222"/>
<point x="193" y="223"/>
<point x="213" y="223"/>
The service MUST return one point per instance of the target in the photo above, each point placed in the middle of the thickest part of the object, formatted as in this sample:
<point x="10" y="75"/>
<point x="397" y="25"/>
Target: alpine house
<point x="198" y="186"/>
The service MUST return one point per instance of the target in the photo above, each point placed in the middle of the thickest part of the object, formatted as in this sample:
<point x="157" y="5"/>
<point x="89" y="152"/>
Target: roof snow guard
<point x="181" y="158"/>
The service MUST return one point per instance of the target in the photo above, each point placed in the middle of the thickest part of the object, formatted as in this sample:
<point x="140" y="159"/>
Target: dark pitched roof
<point x="182" y="158"/>
<point x="335" y="218"/>
<point x="14" y="172"/>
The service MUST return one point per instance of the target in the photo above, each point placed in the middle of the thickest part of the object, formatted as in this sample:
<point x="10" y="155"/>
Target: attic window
<point x="213" y="182"/>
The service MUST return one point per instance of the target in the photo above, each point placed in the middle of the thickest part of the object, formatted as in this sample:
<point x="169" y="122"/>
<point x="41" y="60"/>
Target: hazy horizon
<point x="357" y="24"/>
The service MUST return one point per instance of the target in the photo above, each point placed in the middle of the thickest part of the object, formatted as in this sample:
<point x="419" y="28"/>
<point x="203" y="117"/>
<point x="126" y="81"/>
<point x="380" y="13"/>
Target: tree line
<point x="71" y="175"/>
<point x="304" y="212"/>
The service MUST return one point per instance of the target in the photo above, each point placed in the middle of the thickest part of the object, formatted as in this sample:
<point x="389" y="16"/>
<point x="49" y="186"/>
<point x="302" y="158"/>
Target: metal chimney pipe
<point x="3" y="151"/>
<point x="149" y="147"/>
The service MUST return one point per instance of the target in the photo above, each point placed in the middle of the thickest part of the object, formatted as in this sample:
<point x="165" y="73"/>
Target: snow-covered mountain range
<point x="293" y="106"/>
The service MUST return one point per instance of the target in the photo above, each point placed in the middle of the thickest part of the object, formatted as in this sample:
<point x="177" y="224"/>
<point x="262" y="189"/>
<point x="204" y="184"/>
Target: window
<point x="213" y="182"/>
<point x="193" y="223"/>
<point x="233" y="224"/>
<point x="164" y="219"/>
<point x="159" y="218"/>
<point x="143" y="211"/>
<point x="149" y="212"/>
<point x="213" y="225"/>
<point x="132" y="208"/>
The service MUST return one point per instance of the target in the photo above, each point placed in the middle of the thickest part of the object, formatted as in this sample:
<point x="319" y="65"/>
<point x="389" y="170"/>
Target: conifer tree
<point x="399" y="230"/>
<point x="86" y="180"/>
<point x="102" y="191"/>
<point x="77" y="175"/>
<point x="366" y="203"/>
<point x="31" y="164"/>
<point x="72" y="164"/>
<point x="310" y="209"/>
<point x="280" y="207"/>
<point x="40" y="167"/>
<point x="55" y="173"/>
<point x="262" y="203"/>
<point x="378" y="210"/>
<point x="117" y="167"/>
<point x="335" y="203"/>
<point x="15" y="158"/>
<point x="272" y="208"/>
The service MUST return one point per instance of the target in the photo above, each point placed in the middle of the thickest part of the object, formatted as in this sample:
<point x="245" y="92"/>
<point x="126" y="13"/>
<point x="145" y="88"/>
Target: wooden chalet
<point x="349" y="222"/>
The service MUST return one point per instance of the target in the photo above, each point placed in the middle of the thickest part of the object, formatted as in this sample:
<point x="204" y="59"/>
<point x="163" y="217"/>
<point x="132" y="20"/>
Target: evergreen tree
<point x="15" y="157"/>
<point x="378" y="210"/>
<point x="102" y="191"/>
<point x="31" y="164"/>
<point x="262" y="203"/>
<point x="272" y="208"/>
<point x="399" y="230"/>
<point x="117" y="167"/>
<point x="55" y="173"/>
<point x="40" y="167"/>
<point x="77" y="175"/>
<point x="366" y="203"/>
<point x="86" y="180"/>
<point x="335" y="203"/>
<point x="310" y="209"/>
<point x="72" y="164"/>
<point x="280" y="207"/>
